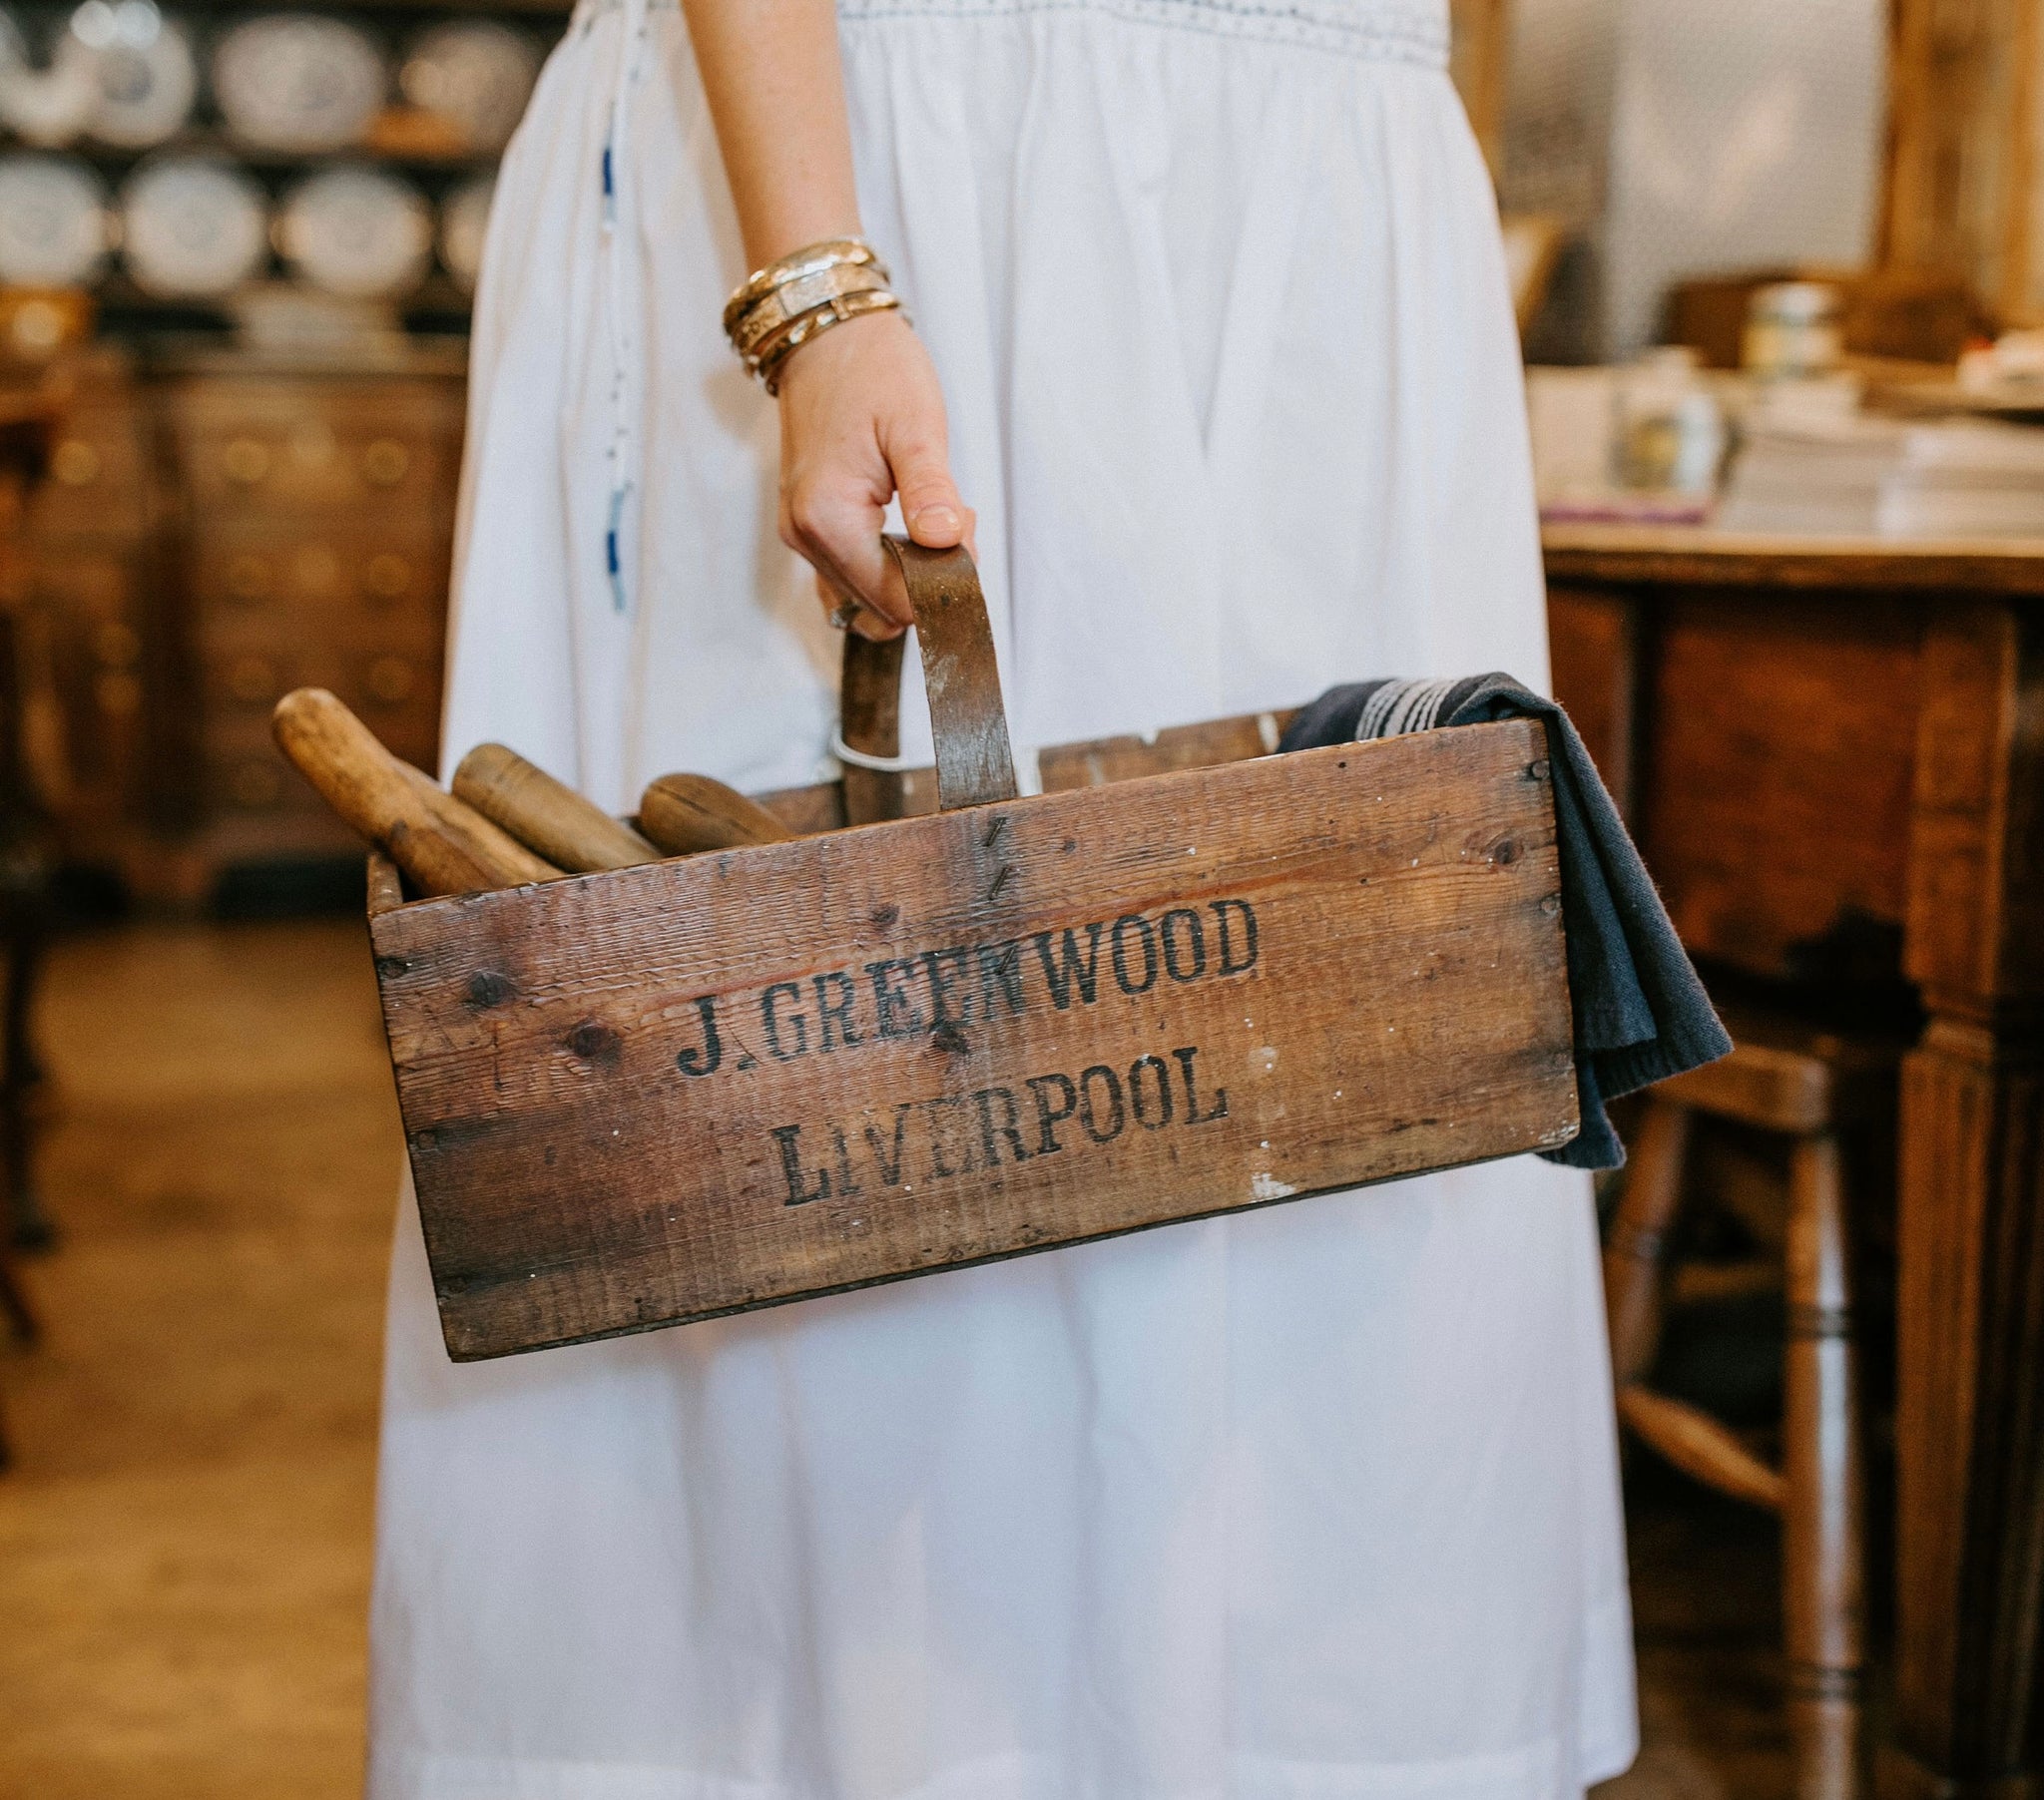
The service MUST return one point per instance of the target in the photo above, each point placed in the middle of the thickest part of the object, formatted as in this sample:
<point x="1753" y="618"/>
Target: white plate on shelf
<point x="356" y="232"/>
<point x="51" y="104"/>
<point x="464" y="219"/>
<point x="144" y="75"/>
<point x="53" y="221"/>
<point x="297" y="81"/>
<point x="474" y="73"/>
<point x="193" y="227"/>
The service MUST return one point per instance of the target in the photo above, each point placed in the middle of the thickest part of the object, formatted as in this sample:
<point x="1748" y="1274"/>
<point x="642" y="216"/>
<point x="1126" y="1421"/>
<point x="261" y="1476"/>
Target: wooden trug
<point x="588" y="1164"/>
<point x="780" y="1070"/>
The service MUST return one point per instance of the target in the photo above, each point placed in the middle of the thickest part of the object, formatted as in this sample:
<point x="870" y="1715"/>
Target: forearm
<point x="776" y="87"/>
<point x="862" y="415"/>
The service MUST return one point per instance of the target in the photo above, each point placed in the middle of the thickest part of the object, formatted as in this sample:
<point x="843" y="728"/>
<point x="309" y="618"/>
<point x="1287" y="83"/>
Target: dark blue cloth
<point x="1640" y="1014"/>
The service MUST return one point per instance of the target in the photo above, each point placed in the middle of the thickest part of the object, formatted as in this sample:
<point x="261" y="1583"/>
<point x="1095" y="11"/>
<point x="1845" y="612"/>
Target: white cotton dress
<point x="1315" y="1502"/>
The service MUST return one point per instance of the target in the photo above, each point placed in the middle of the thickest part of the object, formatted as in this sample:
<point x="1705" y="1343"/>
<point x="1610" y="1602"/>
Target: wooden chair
<point x="1805" y="1086"/>
<point x="24" y="446"/>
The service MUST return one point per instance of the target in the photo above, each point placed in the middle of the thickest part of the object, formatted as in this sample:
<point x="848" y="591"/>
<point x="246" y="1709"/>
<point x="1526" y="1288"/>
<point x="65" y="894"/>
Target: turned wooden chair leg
<point x="28" y="1225"/>
<point x="14" y="1306"/>
<point x="1637" y="1245"/>
<point x="1823" y="1574"/>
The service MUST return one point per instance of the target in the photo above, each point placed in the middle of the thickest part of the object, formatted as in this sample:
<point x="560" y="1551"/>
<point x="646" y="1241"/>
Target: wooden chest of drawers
<point x="95" y="639"/>
<point x="215" y="530"/>
<point x="313" y="544"/>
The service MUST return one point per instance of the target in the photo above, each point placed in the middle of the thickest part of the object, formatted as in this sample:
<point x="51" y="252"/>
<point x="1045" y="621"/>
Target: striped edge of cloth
<point x="1400" y="706"/>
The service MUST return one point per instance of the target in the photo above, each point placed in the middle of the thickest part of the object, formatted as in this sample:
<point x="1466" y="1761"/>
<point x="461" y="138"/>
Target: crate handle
<point x="967" y="720"/>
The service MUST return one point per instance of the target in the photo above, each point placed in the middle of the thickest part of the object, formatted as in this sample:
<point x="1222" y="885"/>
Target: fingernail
<point x="936" y="517"/>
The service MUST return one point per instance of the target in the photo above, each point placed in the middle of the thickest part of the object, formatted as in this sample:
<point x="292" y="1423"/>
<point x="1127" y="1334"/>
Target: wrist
<point x="785" y="233"/>
<point x="816" y="361"/>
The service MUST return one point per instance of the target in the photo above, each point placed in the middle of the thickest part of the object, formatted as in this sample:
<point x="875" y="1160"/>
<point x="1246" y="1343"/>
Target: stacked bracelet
<point x="785" y="304"/>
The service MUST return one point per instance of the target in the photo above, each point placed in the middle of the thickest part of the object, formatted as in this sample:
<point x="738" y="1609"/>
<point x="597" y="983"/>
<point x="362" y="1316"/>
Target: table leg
<point x="1970" y="1414"/>
<point x="1970" y="1395"/>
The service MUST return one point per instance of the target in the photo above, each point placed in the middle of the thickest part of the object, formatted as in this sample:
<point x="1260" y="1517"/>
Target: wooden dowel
<point x="687" y="814"/>
<point x="544" y="814"/>
<point x="444" y="846"/>
<point x="1636" y="1254"/>
<point x="1699" y="1445"/>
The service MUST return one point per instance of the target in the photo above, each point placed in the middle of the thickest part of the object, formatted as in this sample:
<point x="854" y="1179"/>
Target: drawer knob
<point x="388" y="576"/>
<point x="385" y="462"/>
<point x="245" y="460"/>
<point x="75" y="463"/>
<point x="251" y="679"/>
<point x="391" y="679"/>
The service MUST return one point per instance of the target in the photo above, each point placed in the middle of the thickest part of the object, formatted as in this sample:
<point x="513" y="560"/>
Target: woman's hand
<point x="862" y="419"/>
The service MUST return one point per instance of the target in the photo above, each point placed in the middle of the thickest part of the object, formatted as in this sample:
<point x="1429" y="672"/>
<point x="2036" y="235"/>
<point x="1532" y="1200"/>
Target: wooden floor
<point x="184" y="1537"/>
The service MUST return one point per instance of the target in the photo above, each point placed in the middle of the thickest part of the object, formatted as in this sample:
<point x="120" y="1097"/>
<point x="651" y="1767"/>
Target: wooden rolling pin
<point x="445" y="847"/>
<point x="687" y="814"/>
<point x="546" y="814"/>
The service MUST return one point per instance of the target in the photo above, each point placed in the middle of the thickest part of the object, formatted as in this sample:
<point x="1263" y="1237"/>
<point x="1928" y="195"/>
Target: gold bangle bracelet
<point x="787" y="302"/>
<point x="774" y="355"/>
<point x="812" y="259"/>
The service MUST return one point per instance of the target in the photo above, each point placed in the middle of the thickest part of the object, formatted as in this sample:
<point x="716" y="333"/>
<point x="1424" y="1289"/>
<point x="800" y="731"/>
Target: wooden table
<point x="1832" y="755"/>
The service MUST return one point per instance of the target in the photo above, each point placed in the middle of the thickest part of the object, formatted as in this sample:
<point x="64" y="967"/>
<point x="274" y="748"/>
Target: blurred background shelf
<point x="253" y="472"/>
<point x="116" y="160"/>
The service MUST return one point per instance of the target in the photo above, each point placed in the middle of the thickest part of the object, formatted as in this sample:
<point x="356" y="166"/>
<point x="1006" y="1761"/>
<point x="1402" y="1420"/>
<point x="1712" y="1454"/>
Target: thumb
<point x="930" y="507"/>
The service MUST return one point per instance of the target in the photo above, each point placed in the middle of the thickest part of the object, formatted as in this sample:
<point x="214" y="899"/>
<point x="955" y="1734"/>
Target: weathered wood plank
<point x="667" y="1092"/>
<point x="1593" y="645"/>
<point x="1775" y="804"/>
<point x="1096" y="761"/>
<point x="387" y="885"/>
<point x="1659" y="557"/>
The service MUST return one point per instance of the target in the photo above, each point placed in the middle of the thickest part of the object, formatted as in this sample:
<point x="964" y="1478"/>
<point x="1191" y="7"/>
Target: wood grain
<point x="1593" y="642"/>
<point x="1774" y="807"/>
<point x="1661" y="558"/>
<point x="1699" y="1446"/>
<point x="547" y="816"/>
<point x="1961" y="163"/>
<point x="1820" y="1487"/>
<point x="445" y="847"/>
<point x="1823" y="1502"/>
<point x="1970" y="1397"/>
<point x="687" y="814"/>
<point x="1776" y="782"/>
<point x="803" y="810"/>
<point x="975" y="1035"/>
<point x="961" y="680"/>
<point x="1092" y="762"/>
<point x="387" y="885"/>
<point x="1636" y="1248"/>
<point x="1971" y="1328"/>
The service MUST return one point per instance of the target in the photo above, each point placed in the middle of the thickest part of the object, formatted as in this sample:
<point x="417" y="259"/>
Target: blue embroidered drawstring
<point x="631" y="56"/>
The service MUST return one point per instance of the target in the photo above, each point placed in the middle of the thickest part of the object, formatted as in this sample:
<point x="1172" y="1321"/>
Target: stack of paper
<point x="1958" y="479"/>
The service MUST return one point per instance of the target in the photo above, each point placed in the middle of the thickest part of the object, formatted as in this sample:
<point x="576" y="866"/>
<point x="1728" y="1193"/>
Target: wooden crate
<point x="696" y="1087"/>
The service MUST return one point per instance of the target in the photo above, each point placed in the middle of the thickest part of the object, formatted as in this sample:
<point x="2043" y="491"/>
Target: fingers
<point x="930" y="507"/>
<point x="840" y="536"/>
<point x="863" y="423"/>
<point x="850" y="615"/>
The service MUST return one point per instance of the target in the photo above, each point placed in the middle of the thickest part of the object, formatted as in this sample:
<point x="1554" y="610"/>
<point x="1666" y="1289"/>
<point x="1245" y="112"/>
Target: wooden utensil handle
<point x="544" y="814"/>
<point x="968" y="722"/>
<point x="685" y="815"/>
<point x="445" y="847"/>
